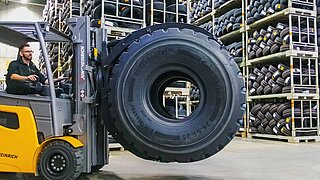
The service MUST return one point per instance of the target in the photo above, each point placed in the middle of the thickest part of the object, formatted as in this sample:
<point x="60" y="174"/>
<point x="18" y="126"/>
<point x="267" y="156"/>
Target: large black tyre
<point x="137" y="83"/>
<point x="59" y="160"/>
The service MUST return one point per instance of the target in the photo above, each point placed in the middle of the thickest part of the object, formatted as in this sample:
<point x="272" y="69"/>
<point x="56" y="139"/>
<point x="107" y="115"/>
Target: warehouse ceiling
<point x="35" y="2"/>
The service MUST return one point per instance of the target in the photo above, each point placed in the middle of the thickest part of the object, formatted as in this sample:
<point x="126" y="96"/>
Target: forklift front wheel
<point x="59" y="160"/>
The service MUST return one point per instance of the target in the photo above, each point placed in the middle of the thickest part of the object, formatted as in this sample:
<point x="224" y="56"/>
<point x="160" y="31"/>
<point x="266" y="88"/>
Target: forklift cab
<point x="49" y="135"/>
<point x="48" y="109"/>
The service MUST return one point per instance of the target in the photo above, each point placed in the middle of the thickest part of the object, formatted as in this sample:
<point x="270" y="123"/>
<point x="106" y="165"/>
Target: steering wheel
<point x="34" y="86"/>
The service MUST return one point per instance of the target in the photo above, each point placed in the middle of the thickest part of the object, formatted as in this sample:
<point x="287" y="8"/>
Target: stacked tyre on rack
<point x="228" y="22"/>
<point x="124" y="9"/>
<point x="269" y="41"/>
<point x="262" y="8"/>
<point x="269" y="80"/>
<point x="271" y="118"/>
<point x="59" y="53"/>
<point x="276" y="118"/>
<point x="281" y="72"/>
<point x="200" y="9"/>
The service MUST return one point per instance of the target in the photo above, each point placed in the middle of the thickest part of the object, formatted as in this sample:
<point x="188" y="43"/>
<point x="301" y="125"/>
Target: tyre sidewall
<point x="138" y="72"/>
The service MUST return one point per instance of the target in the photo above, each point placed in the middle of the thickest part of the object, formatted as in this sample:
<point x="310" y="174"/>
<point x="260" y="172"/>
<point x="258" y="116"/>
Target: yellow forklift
<point x="118" y="87"/>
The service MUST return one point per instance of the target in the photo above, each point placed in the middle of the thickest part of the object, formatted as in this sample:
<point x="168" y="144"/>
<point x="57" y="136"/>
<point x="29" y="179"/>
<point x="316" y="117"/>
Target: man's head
<point x="25" y="52"/>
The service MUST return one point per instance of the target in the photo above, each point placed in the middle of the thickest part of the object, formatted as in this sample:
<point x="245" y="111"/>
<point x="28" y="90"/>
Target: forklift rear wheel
<point x="139" y="80"/>
<point x="59" y="160"/>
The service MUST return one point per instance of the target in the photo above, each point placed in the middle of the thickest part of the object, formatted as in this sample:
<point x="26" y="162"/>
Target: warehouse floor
<point x="241" y="159"/>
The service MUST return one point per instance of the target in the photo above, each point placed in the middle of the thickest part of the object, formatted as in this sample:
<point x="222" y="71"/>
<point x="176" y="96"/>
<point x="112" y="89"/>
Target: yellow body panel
<point x="17" y="146"/>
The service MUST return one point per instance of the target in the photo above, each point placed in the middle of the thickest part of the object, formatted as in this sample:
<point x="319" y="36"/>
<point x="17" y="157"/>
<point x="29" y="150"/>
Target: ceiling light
<point x="24" y="1"/>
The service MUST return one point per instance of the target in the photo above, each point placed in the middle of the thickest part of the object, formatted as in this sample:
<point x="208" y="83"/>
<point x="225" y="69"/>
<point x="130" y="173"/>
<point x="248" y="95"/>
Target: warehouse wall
<point x="17" y="12"/>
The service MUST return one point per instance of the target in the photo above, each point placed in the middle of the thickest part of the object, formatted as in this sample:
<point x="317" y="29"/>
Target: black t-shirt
<point x="20" y="68"/>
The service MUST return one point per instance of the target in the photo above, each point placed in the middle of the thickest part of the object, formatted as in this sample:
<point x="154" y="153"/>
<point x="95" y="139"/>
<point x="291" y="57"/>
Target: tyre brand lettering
<point x="141" y="125"/>
<point x="194" y="134"/>
<point x="209" y="66"/>
<point x="144" y="114"/>
<point x="12" y="156"/>
<point x="197" y="132"/>
<point x="141" y="65"/>
<point x="135" y="113"/>
<point x="149" y="59"/>
<point x="82" y="63"/>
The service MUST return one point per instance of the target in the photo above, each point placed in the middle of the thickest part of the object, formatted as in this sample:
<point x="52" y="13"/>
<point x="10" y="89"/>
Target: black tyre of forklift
<point x="138" y="120"/>
<point x="59" y="160"/>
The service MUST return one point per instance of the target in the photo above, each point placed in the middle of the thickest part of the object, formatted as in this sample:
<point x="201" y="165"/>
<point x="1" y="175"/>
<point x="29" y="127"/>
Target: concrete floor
<point x="242" y="159"/>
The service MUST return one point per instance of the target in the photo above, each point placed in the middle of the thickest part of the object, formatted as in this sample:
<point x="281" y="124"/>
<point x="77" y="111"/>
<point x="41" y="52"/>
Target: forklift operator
<point x="23" y="76"/>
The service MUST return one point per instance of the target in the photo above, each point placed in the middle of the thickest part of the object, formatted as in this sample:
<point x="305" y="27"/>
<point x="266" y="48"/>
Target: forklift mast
<point x="89" y="124"/>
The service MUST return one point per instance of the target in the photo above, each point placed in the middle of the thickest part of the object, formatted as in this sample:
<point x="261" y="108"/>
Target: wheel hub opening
<point x="177" y="96"/>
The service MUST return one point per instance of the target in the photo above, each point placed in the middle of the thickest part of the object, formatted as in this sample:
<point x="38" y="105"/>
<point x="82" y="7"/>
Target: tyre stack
<point x="182" y="11"/>
<point x="194" y="93"/>
<point x="236" y="51"/>
<point x="124" y="10"/>
<point x="276" y="79"/>
<point x="258" y="9"/>
<point x="207" y="26"/>
<point x="271" y="118"/>
<point x="201" y="8"/>
<point x="228" y="22"/>
<point x="276" y="118"/>
<point x="269" y="80"/>
<point x="272" y="79"/>
<point x="235" y="48"/>
<point x="59" y="53"/>
<point x="269" y="41"/>
<point x="52" y="17"/>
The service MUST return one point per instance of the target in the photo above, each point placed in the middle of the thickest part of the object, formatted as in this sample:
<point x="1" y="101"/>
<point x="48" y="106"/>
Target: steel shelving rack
<point x="298" y="56"/>
<point x="117" y="17"/>
<point x="147" y="17"/>
<point x="230" y="37"/>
